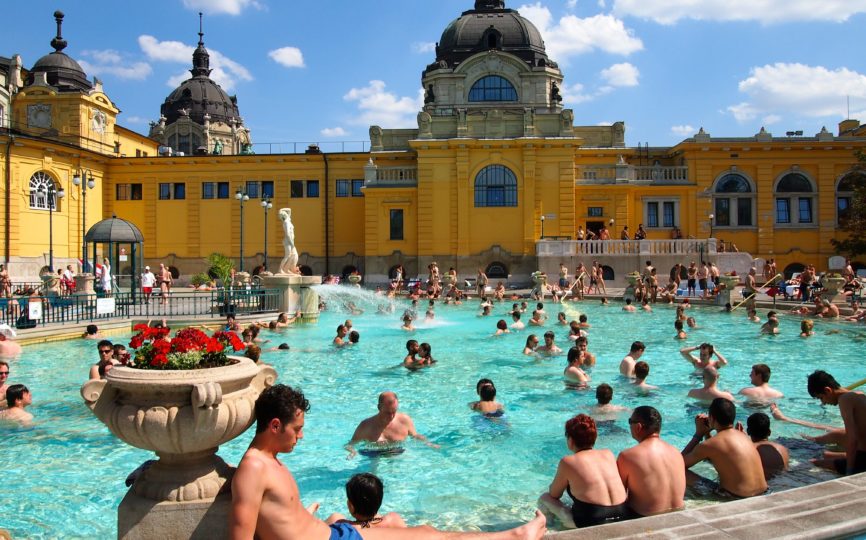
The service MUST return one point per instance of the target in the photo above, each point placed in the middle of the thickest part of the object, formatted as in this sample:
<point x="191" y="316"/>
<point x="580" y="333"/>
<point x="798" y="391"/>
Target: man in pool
<point x="852" y="406"/>
<point x="17" y="398"/>
<point x="106" y="357"/>
<point x="653" y="472"/>
<point x="705" y="359"/>
<point x="760" y="389"/>
<point x="605" y="410"/>
<point x="386" y="429"/>
<point x="266" y="500"/>
<point x="730" y="451"/>
<point x="549" y="348"/>
<point x="641" y="372"/>
<point x="626" y="367"/>
<point x="710" y="391"/>
<point x="774" y="456"/>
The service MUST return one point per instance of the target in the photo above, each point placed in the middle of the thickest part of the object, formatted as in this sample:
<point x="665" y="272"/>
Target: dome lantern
<point x="60" y="70"/>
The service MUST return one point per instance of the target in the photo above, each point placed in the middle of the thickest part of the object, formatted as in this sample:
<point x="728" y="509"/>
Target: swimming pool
<point x="64" y="476"/>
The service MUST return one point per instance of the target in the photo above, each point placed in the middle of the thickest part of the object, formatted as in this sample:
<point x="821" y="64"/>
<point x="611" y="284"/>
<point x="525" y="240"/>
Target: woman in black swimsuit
<point x="590" y="477"/>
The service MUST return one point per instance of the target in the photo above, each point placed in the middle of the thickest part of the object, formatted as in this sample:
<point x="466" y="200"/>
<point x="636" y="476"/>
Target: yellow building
<point x="495" y="164"/>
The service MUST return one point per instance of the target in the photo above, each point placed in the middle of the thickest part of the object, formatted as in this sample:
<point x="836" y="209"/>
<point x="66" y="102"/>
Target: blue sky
<point x="326" y="70"/>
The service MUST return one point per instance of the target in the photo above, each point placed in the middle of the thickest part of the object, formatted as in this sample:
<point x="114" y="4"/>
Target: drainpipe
<point x="327" y="220"/>
<point x="7" y="200"/>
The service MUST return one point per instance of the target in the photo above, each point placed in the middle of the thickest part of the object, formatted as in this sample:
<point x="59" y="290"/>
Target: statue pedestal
<point x="84" y="284"/>
<point x="143" y="519"/>
<point x="296" y="294"/>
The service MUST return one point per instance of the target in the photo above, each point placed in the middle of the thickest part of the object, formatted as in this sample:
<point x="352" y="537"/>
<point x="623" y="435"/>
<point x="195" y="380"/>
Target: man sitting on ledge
<point x="266" y="502"/>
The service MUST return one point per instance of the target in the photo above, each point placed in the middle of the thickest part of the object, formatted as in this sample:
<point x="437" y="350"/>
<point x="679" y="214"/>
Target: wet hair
<point x="758" y="426"/>
<point x="283" y="346"/>
<point x="678" y="324"/>
<point x="539" y="306"/>
<point x="583" y="318"/>
<point x="549" y="334"/>
<point x="628" y="301"/>
<point x="649" y="417"/>
<point x="581" y="429"/>
<point x="604" y="393"/>
<point x="502" y="325"/>
<point x="641" y="370"/>
<point x="341" y="327"/>
<point x="254" y="331"/>
<point x="573" y="355"/>
<point x="723" y="411"/>
<point x="253" y="352"/>
<point x="637" y="346"/>
<point x="763" y="370"/>
<point x="561" y="316"/>
<point x="691" y="322"/>
<point x="281" y="402"/>
<point x="282" y="317"/>
<point x="354" y="336"/>
<point x="806" y="325"/>
<point x="411" y="343"/>
<point x="480" y="383"/>
<point x="581" y="339"/>
<point x="91" y="329"/>
<point x="104" y="343"/>
<point x="424" y="349"/>
<point x="818" y="381"/>
<point x="365" y="492"/>
<point x="118" y="348"/>
<point x="515" y="315"/>
<point x="529" y="339"/>
<point x="708" y="346"/>
<point x="272" y="325"/>
<point x="14" y="393"/>
<point x="487" y="392"/>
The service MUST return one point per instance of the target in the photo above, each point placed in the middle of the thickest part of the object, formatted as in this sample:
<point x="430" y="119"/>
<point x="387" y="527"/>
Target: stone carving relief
<point x="618" y="134"/>
<point x="376" y="138"/>
<point x="566" y="122"/>
<point x="98" y="121"/>
<point x="39" y="115"/>
<point x="424" y="125"/>
<point x="528" y="122"/>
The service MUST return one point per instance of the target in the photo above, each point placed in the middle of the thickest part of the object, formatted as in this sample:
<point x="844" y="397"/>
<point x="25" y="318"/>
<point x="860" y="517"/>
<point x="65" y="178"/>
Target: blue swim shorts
<point x="344" y="531"/>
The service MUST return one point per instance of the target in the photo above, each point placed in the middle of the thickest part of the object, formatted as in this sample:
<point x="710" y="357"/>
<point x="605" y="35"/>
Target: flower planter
<point x="355" y="279"/>
<point x="182" y="416"/>
<point x="633" y="278"/>
<point x="448" y="279"/>
<point x="833" y="286"/>
<point x="539" y="279"/>
<point x="729" y="281"/>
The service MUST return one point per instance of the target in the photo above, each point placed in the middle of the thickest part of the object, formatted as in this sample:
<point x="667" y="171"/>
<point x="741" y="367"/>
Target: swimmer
<point x="710" y="391"/>
<point x="501" y="328"/>
<point x="549" y="348"/>
<point x="678" y="326"/>
<point x="279" y="348"/>
<point x="407" y="324"/>
<point x="485" y="311"/>
<point x="604" y="409"/>
<point x="772" y="325"/>
<point x="760" y="389"/>
<point x="645" y="306"/>
<point x="410" y="361"/>
<point x="539" y="307"/>
<point x="487" y="405"/>
<point x="774" y="456"/>
<point x="341" y="333"/>
<point x="386" y="427"/>
<point x="641" y="372"/>
<point x="17" y="399"/>
<point x="753" y="315"/>
<point x="626" y="366"/>
<point x="692" y="323"/>
<point x="628" y="307"/>
<point x="354" y="337"/>
<point x="575" y="331"/>
<point x="583" y="321"/>
<point x="536" y="319"/>
<point x="587" y="359"/>
<point x="806" y="326"/>
<point x="517" y="324"/>
<point x="573" y="374"/>
<point x="560" y="319"/>
<point x="705" y="359"/>
<point x="605" y="302"/>
<point x="364" y="493"/>
<point x="531" y="345"/>
<point x="852" y="406"/>
<point x="425" y="354"/>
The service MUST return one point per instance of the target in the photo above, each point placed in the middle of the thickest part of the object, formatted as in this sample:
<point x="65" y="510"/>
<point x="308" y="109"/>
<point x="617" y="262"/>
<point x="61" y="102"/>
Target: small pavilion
<point x="116" y="233"/>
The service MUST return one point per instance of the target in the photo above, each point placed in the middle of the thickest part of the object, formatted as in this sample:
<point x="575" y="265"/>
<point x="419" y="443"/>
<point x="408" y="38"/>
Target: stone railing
<point x="389" y="176"/>
<point x="579" y="248"/>
<point x="632" y="174"/>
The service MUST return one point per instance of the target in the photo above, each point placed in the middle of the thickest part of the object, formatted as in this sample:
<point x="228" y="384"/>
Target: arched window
<point x="734" y="202"/>
<point x="795" y="200"/>
<point x="40" y="197"/>
<point x="496" y="270"/>
<point x="495" y="185"/>
<point x="493" y="88"/>
<point x="845" y="194"/>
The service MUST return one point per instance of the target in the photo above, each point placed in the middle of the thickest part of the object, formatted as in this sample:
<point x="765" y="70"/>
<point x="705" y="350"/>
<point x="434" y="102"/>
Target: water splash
<point x="341" y="298"/>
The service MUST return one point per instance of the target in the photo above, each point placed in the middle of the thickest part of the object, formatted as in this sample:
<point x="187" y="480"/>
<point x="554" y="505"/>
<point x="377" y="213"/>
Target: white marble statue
<point x="289" y="263"/>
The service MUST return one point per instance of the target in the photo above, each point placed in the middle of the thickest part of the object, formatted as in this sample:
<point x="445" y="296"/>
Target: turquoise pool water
<point x="63" y="477"/>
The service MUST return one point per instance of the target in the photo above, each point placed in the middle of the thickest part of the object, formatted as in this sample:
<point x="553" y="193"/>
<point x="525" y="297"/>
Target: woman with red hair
<point x="590" y="477"/>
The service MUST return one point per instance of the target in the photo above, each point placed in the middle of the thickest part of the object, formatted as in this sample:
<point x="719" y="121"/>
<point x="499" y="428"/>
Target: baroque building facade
<point x="496" y="172"/>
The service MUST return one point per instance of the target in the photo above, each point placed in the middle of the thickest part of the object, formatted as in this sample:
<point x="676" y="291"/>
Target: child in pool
<point x="364" y="493"/>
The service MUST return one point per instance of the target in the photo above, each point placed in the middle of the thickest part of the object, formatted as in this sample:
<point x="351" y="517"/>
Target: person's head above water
<point x="480" y="383"/>
<point x="758" y="427"/>
<point x="641" y="370"/>
<point x="412" y="345"/>
<point x="649" y="418"/>
<point x="582" y="432"/>
<point x="637" y="346"/>
<point x="604" y="394"/>
<point x="364" y="492"/>
<point x="501" y="325"/>
<point x="487" y="392"/>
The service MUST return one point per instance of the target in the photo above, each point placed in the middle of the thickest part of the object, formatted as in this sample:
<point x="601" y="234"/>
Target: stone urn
<point x="448" y="279"/>
<point x="355" y="279"/>
<point x="833" y="283"/>
<point x="50" y="284"/>
<point x="729" y="282"/>
<point x="633" y="278"/>
<point x="539" y="278"/>
<point x="183" y="416"/>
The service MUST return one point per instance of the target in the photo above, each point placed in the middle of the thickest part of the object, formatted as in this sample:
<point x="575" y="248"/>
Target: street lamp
<point x="242" y="197"/>
<point x="52" y="194"/>
<point x="712" y="217"/>
<point x="266" y="205"/>
<point x="84" y="178"/>
<point x="542" y="226"/>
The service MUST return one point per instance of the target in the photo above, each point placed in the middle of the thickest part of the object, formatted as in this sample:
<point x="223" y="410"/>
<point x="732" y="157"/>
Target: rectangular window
<point x="135" y="192"/>
<point x="356" y="188"/>
<point x="208" y="190"/>
<point x="668" y="214"/>
<point x="179" y="191"/>
<point x="267" y="189"/>
<point x="396" y="224"/>
<point x="843" y="205"/>
<point x="297" y="191"/>
<point x="783" y="211"/>
<point x="342" y="188"/>
<point x="595" y="211"/>
<point x="590" y="175"/>
<point x="313" y="189"/>
<point x="744" y="212"/>
<point x="165" y="192"/>
<point x="122" y="192"/>
<point x="137" y="152"/>
<point x="652" y="214"/>
<point x="222" y="190"/>
<point x="723" y="212"/>
<point x="805" y="207"/>
<point x="253" y="190"/>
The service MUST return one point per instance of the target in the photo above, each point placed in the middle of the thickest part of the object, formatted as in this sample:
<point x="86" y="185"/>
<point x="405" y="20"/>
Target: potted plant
<point x="729" y="280"/>
<point x="180" y="398"/>
<point x="221" y="267"/>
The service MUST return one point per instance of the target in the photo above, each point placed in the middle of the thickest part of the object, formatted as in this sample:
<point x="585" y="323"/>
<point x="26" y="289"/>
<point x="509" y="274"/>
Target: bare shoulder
<point x="253" y="462"/>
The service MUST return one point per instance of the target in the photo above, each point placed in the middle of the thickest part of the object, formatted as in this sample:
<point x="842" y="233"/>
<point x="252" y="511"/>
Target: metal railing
<point x="78" y="308"/>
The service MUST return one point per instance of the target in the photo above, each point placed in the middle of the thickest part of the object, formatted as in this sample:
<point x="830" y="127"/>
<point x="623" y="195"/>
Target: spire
<point x="200" y="58"/>
<point x="58" y="42"/>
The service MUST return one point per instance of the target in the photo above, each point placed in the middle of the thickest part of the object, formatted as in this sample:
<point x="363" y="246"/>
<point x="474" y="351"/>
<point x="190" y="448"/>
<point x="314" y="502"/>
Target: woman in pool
<point x="574" y="375"/>
<point x="502" y="328"/>
<point x="806" y="326"/>
<point x="590" y="477"/>
<point x="560" y="319"/>
<point x="487" y="405"/>
<point x="531" y="344"/>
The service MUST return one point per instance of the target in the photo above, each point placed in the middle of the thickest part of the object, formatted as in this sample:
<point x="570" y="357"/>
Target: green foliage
<point x="855" y="220"/>
<point x="221" y="266"/>
<point x="200" y="279"/>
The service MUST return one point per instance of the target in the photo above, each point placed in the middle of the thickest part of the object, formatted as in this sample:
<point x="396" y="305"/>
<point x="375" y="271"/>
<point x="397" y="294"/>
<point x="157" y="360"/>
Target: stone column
<point x="84" y="284"/>
<point x="296" y="294"/>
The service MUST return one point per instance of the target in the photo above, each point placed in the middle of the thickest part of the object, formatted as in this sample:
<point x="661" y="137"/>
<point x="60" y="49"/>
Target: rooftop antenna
<point x="200" y="32"/>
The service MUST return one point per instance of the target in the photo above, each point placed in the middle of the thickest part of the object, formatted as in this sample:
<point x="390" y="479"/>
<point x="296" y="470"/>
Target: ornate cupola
<point x="61" y="71"/>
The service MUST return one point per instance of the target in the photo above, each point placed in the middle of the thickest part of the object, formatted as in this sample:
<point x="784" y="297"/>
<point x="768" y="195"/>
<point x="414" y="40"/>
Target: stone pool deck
<point x="833" y="509"/>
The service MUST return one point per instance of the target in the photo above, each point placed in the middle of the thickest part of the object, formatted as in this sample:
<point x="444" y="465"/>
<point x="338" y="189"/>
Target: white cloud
<point x="334" y="132"/>
<point x="134" y="120"/>
<point x="290" y="57"/>
<point x="110" y="62"/>
<point x="576" y="94"/>
<point x="683" y="130"/>
<point x="572" y="35"/>
<point x="229" y="7"/>
<point x="763" y="11"/>
<point x="380" y="107"/>
<point x="775" y="90"/>
<point x="423" y="47"/>
<point x="771" y="119"/>
<point x="225" y="71"/>
<point x="623" y="74"/>
<point x="571" y="4"/>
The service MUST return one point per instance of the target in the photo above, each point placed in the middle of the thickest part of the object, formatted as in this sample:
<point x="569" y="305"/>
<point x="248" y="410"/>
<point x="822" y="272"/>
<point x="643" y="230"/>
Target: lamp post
<point x="266" y="205"/>
<point x="542" y="226"/>
<point x="84" y="178"/>
<point x="242" y="197"/>
<point x="712" y="217"/>
<point x="52" y="194"/>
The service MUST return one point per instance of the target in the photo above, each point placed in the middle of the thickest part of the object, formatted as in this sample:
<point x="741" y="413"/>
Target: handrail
<point x="772" y="279"/>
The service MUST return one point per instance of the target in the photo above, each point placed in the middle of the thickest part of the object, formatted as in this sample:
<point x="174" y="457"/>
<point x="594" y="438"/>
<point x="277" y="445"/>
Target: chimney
<point x="846" y="126"/>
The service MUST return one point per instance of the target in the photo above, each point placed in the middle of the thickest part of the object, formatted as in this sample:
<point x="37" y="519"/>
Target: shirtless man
<point x="705" y="359"/>
<point x="774" y="456"/>
<point x="549" y="348"/>
<point x="341" y="333"/>
<point x="106" y="357"/>
<point x="760" y="389"/>
<point x="710" y="392"/>
<point x="628" y="306"/>
<point x="8" y="347"/>
<point x="573" y="374"/>
<point x="517" y="324"/>
<point x="386" y="427"/>
<point x="730" y="452"/>
<point x="641" y="372"/>
<point x="692" y="274"/>
<point x="626" y="366"/>
<point x="266" y="502"/>
<point x="587" y="359"/>
<point x="410" y="362"/>
<point x="653" y="472"/>
<point x="17" y="398"/>
<point x="852" y="405"/>
<point x="605" y="410"/>
<point x="4" y="382"/>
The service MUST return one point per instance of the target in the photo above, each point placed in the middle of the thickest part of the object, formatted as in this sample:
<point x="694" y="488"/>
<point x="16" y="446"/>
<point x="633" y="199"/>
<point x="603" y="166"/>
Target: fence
<point x="29" y="312"/>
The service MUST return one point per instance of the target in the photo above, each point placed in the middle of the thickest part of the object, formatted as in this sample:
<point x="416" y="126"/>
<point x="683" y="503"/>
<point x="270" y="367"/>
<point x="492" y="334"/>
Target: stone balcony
<point x="623" y="173"/>
<point x="375" y="176"/>
<point x="584" y="248"/>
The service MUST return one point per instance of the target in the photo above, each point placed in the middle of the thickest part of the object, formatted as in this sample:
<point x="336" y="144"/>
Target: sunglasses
<point x="106" y="351"/>
<point x="6" y="373"/>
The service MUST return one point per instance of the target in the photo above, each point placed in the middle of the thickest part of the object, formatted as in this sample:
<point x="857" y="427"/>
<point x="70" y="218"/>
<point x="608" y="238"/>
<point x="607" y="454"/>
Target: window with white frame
<point x="845" y="194"/>
<point x="661" y="213"/>
<point x="42" y="191"/>
<point x="795" y="200"/>
<point x="733" y="201"/>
